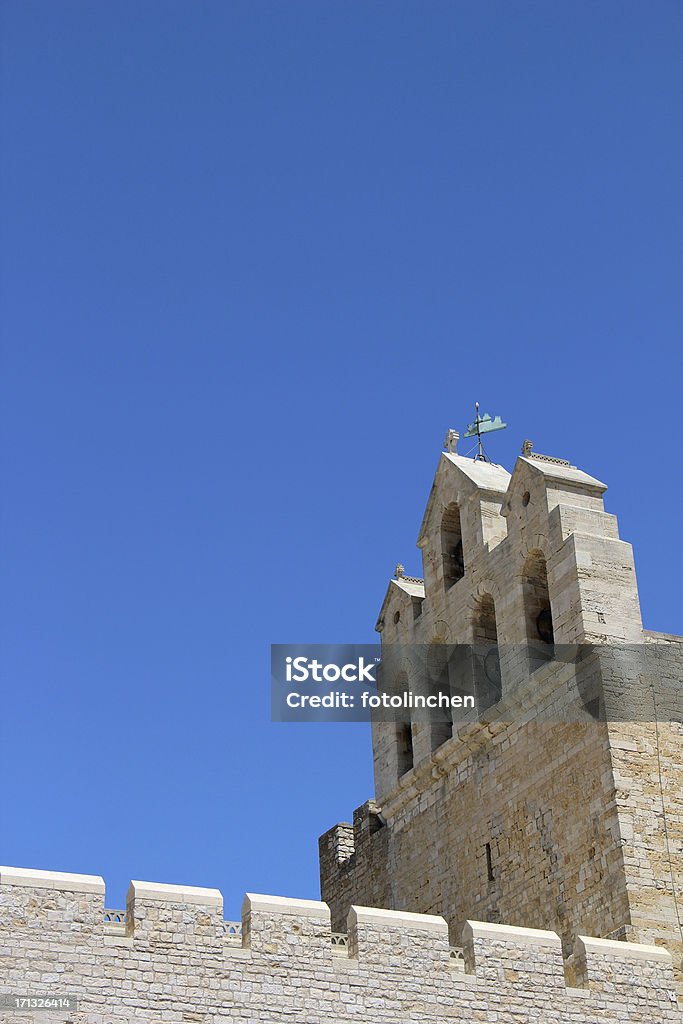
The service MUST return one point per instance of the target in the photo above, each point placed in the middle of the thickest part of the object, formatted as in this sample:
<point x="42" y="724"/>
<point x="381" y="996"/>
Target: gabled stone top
<point x="485" y="477"/>
<point x="553" y="469"/>
<point x="409" y="585"/>
<point x="488" y="476"/>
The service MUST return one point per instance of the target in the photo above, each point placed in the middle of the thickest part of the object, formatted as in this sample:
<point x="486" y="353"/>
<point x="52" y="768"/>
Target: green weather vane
<point x="485" y="424"/>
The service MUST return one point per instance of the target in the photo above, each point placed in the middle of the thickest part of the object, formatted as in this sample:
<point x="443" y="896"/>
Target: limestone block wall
<point x="646" y="744"/>
<point x="175" y="962"/>
<point x="648" y="775"/>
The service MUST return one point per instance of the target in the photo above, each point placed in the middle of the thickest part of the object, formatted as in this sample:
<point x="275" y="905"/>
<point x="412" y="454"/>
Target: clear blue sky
<point x="256" y="258"/>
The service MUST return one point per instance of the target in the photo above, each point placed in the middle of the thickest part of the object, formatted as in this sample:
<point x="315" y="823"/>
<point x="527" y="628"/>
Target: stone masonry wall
<point x="176" y="963"/>
<point x="583" y="821"/>
<point x="511" y="788"/>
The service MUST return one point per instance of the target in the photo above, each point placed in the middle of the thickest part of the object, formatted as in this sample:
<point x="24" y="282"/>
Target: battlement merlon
<point x="185" y="895"/>
<point x="604" y="963"/>
<point x="497" y="952"/>
<point x="24" y="892"/>
<point x="420" y="940"/>
<point x="33" y="878"/>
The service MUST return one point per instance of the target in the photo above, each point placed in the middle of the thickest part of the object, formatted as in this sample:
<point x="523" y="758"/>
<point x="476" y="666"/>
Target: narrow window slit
<point x="489" y="863"/>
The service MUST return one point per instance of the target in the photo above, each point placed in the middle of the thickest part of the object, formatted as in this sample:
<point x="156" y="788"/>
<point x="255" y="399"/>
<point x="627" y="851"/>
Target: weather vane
<point x="483" y="425"/>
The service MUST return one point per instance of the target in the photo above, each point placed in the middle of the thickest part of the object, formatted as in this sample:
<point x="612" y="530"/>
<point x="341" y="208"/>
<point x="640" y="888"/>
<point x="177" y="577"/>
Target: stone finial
<point x="526" y="448"/>
<point x="399" y="571"/>
<point x="451" y="441"/>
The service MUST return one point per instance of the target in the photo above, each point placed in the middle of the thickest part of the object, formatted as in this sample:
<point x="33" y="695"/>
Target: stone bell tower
<point x="549" y="810"/>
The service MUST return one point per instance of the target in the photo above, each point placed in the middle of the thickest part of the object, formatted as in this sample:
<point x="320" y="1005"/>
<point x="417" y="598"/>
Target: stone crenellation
<point x="176" y="962"/>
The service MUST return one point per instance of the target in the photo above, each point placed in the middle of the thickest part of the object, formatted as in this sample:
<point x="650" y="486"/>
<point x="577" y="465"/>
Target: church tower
<point x="560" y="804"/>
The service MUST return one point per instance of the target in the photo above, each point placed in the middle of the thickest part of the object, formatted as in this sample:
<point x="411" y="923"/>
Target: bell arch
<point x="488" y="677"/>
<point x="452" y="553"/>
<point x="538" y="615"/>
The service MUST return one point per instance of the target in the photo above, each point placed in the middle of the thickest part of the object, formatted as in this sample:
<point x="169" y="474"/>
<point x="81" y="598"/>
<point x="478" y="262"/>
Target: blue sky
<point x="256" y="258"/>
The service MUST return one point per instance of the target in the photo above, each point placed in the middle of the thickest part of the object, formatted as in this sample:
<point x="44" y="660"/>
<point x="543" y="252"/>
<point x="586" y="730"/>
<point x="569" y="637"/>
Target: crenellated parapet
<point x="353" y="859"/>
<point x="176" y="962"/>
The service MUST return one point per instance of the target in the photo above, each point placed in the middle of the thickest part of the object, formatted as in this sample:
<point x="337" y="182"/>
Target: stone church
<point x="524" y="863"/>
